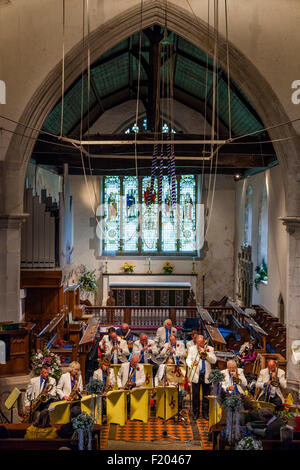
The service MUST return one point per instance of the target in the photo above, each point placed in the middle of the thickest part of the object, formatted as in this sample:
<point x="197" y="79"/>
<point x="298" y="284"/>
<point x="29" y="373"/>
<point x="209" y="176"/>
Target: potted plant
<point x="128" y="267"/>
<point x="261" y="274"/>
<point x="168" y="267"/>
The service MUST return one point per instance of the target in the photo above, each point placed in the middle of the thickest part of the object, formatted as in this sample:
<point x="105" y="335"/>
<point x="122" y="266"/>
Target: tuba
<point x="43" y="397"/>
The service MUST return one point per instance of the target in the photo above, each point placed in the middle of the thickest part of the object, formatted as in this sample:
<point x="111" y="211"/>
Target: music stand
<point x="165" y="434"/>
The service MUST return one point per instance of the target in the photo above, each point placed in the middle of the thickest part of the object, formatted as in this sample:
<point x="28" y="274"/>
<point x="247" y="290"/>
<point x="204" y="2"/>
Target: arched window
<point x="248" y="216"/>
<point x="262" y="251"/>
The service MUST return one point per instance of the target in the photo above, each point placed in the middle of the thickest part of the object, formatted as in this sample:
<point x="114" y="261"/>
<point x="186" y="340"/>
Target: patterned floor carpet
<point x="153" y="430"/>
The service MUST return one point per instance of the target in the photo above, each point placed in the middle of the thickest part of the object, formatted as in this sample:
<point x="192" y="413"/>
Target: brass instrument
<point x="75" y="395"/>
<point x="236" y="381"/>
<point x="108" y="386"/>
<point x="126" y="387"/>
<point x="274" y="382"/>
<point x="200" y="355"/>
<point x="43" y="397"/>
<point x="203" y="354"/>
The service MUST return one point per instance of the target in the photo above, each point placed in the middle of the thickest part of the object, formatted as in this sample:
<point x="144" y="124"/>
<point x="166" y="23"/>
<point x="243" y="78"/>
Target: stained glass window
<point x="150" y="219"/>
<point x="130" y="220"/>
<point x="133" y="225"/>
<point x="168" y="218"/>
<point x="112" y="213"/>
<point x="187" y="231"/>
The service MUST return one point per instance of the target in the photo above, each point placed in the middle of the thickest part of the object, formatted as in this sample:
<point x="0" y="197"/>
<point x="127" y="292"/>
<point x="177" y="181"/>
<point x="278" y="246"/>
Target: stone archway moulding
<point x="109" y="34"/>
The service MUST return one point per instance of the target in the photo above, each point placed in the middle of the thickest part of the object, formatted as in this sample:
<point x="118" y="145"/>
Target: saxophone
<point x="43" y="397"/>
<point x="126" y="387"/>
<point x="108" y="386"/>
<point x="75" y="395"/>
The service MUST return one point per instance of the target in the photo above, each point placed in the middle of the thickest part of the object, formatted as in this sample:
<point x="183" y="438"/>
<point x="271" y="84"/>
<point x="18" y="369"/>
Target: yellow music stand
<point x="170" y="408"/>
<point x="148" y="375"/>
<point x="116" y="407"/>
<point x="59" y="412"/>
<point x="139" y="404"/>
<point x="89" y="406"/>
<point x="215" y="411"/>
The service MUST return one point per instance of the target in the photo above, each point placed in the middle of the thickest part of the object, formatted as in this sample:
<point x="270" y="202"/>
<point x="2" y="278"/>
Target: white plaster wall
<point x="268" y="294"/>
<point x="217" y="264"/>
<point x="31" y="41"/>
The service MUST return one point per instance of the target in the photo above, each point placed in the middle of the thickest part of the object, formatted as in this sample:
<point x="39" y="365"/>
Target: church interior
<point x="149" y="225"/>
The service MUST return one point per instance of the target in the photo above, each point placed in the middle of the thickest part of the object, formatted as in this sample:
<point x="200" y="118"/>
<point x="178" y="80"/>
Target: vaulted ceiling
<point x="114" y="80"/>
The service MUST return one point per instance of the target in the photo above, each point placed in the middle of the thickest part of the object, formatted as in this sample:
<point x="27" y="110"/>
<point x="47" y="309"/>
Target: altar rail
<point x="142" y="316"/>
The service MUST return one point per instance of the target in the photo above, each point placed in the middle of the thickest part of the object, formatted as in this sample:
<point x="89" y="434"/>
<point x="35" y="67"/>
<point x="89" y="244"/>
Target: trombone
<point x="200" y="355"/>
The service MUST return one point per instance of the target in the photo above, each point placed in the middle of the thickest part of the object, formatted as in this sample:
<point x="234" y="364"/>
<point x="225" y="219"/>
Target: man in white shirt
<point x="133" y="372"/>
<point x="234" y="380"/>
<point x="163" y="333"/>
<point x="266" y="384"/>
<point x="145" y="348"/>
<point x="193" y="340"/>
<point x="199" y="370"/>
<point x="117" y="350"/>
<point x="37" y="385"/>
<point x="174" y="348"/>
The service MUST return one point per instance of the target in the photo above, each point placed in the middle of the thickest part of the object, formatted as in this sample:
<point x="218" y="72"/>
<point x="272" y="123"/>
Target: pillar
<point x="10" y="260"/>
<point x="292" y="225"/>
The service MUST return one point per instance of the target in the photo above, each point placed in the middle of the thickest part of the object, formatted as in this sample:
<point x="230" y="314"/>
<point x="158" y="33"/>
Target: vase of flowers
<point x="87" y="281"/>
<point x="46" y="358"/>
<point x="128" y="267"/>
<point x="83" y="424"/>
<point x="168" y="267"/>
<point x="249" y="443"/>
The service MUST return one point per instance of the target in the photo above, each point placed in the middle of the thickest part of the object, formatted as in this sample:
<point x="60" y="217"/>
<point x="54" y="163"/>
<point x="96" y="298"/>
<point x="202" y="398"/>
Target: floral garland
<point x="249" y="443"/>
<point x="48" y="359"/>
<point x="83" y="424"/>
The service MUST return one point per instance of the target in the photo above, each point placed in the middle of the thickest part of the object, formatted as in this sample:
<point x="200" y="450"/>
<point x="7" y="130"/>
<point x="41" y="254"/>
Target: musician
<point x="233" y="372"/>
<point x="37" y="385"/>
<point x="144" y="348"/>
<point x="163" y="333"/>
<point x="106" y="339"/>
<point x="105" y="374"/>
<point x="116" y="350"/>
<point x="161" y="373"/>
<point x="68" y="381"/>
<point x="125" y="333"/>
<point x="175" y="349"/>
<point x="193" y="340"/>
<point x="270" y="393"/>
<point x="129" y="369"/>
<point x="198" y="374"/>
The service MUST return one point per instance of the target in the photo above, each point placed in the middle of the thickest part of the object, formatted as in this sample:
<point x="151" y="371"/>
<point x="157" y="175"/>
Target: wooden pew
<point x="13" y="444"/>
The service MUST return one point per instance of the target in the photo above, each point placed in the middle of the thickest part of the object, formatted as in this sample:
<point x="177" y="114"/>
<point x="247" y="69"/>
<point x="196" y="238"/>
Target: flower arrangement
<point x="48" y="359"/>
<point x="216" y="376"/>
<point x="95" y="387"/>
<point x="233" y="402"/>
<point x="128" y="267"/>
<point x="83" y="424"/>
<point x="248" y="443"/>
<point x="285" y="414"/>
<point x="168" y="267"/>
<point x="87" y="280"/>
<point x="261" y="274"/>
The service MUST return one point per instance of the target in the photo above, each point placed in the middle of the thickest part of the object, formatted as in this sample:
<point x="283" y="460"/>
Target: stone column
<point x="292" y="225"/>
<point x="10" y="261"/>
